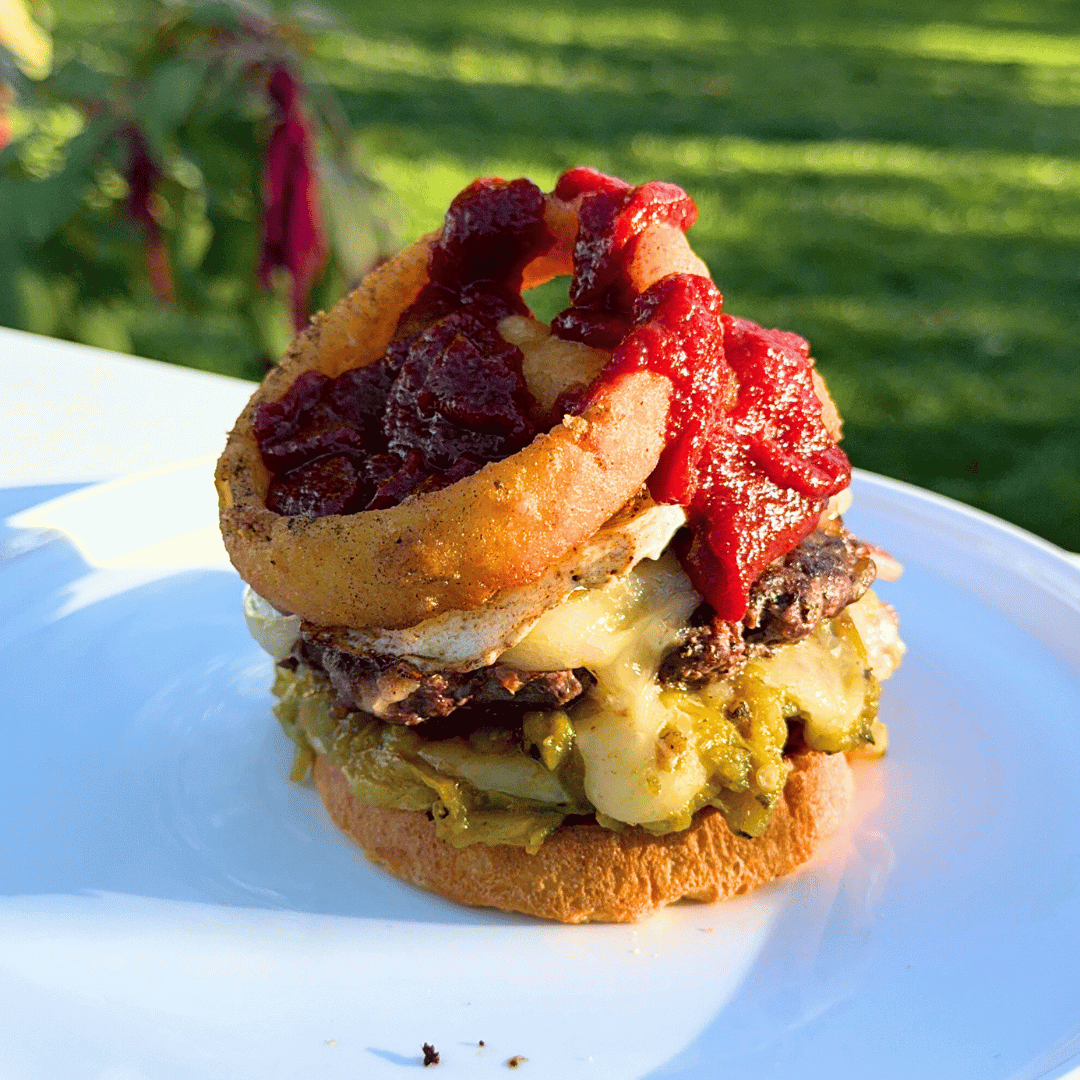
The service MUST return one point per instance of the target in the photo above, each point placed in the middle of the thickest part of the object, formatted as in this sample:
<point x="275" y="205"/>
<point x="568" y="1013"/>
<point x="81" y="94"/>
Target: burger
<point x="565" y="617"/>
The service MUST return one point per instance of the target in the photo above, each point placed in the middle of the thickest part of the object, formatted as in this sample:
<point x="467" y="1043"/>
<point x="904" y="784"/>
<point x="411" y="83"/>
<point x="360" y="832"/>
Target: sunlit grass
<point x="840" y="158"/>
<point x="613" y="25"/>
<point x="470" y="64"/>
<point x="977" y="44"/>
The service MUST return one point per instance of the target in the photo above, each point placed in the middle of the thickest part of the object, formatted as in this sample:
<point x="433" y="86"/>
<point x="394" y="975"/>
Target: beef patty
<point x="815" y="581"/>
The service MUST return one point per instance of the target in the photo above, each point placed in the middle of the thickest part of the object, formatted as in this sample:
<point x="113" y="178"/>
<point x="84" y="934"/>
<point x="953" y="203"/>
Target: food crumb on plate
<point x="431" y="1055"/>
<point x="516" y="1061"/>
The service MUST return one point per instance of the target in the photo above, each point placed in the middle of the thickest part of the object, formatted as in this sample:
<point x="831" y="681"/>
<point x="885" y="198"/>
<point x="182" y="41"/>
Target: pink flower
<point x="142" y="177"/>
<point x="5" y="117"/>
<point x="294" y="236"/>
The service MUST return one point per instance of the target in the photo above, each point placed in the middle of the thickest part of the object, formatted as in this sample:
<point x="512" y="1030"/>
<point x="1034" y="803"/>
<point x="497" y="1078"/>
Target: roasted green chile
<point x="516" y="786"/>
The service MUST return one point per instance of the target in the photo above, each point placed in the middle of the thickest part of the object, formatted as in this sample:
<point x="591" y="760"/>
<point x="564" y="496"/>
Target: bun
<point x="586" y="873"/>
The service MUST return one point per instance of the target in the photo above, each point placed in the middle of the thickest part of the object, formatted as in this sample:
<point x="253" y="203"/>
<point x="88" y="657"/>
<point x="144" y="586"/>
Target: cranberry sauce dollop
<point x="746" y="453"/>
<point x="448" y="395"/>
<point x="611" y="218"/>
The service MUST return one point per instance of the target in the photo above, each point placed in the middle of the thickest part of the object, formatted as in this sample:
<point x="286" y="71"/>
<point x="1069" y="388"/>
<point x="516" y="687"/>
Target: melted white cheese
<point x="275" y="632"/>
<point x="879" y="628"/>
<point x="821" y="678"/>
<point x="621" y="633"/>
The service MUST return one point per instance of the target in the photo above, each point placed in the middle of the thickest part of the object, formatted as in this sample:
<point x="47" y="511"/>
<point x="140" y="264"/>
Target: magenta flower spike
<point x="142" y="177"/>
<point x="294" y="236"/>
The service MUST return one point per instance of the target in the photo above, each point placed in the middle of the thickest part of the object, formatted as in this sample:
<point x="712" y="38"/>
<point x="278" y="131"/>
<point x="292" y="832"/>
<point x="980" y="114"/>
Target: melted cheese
<point x="551" y="365"/>
<point x="621" y="633"/>
<point x="879" y="628"/>
<point x="822" y="678"/>
<point x="640" y="750"/>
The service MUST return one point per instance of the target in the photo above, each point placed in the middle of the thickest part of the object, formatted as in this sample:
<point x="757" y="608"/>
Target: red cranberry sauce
<point x="448" y="395"/>
<point x="768" y="467"/>
<point x="746" y="451"/>
<point x="611" y="218"/>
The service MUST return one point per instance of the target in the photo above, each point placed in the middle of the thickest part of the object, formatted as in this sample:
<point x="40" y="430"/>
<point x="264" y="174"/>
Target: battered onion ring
<point x="454" y="548"/>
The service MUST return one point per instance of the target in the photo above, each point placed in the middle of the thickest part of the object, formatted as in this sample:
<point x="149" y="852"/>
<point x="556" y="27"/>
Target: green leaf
<point x="229" y="157"/>
<point x="234" y="248"/>
<point x="215" y="14"/>
<point x="103" y="328"/>
<point x="35" y="304"/>
<point x="76" y="81"/>
<point x="169" y="97"/>
<point x="43" y="206"/>
<point x="274" y="320"/>
<point x="13" y="305"/>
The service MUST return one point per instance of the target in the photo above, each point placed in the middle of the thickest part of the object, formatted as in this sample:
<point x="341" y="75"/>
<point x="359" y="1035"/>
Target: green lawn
<point x="898" y="182"/>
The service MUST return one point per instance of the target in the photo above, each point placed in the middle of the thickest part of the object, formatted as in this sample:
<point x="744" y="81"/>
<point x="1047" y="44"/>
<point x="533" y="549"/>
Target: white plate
<point x="171" y="906"/>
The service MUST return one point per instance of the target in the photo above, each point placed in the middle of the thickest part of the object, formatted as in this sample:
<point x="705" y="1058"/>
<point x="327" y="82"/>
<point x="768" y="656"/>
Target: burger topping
<point x="449" y="393"/>
<point x="641" y="743"/>
<point x="748" y="454"/>
<point x="558" y="372"/>
<point x="429" y="671"/>
<point x="396" y="691"/>
<point x="628" y="752"/>
<point x="613" y="217"/>
<point x="818" y="579"/>
<point x="465" y="640"/>
<point x="431" y="412"/>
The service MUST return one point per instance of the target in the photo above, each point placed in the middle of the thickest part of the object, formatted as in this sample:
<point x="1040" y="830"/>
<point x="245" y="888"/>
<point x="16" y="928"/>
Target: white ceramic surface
<point x="172" y="907"/>
<point x="72" y="413"/>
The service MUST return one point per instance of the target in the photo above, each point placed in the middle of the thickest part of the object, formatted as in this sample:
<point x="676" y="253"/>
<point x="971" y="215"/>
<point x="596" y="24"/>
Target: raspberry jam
<point x="747" y="453"/>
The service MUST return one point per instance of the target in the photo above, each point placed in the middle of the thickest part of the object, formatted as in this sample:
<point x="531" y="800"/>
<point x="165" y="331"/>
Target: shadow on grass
<point x="1026" y="474"/>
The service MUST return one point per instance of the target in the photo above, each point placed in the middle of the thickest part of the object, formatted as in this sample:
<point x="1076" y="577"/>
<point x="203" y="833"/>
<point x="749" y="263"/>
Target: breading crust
<point x="446" y="550"/>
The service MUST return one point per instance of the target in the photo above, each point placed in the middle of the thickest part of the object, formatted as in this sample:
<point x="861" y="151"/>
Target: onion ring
<point x="455" y="548"/>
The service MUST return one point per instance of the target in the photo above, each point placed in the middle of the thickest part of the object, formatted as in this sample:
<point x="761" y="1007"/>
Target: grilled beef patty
<point x="815" y="581"/>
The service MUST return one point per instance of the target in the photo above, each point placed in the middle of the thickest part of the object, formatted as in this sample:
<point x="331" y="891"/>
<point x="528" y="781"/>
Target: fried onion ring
<point x="455" y="548"/>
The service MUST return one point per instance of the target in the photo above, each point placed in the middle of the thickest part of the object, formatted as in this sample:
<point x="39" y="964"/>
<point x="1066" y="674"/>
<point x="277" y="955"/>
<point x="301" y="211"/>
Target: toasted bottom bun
<point x="585" y="873"/>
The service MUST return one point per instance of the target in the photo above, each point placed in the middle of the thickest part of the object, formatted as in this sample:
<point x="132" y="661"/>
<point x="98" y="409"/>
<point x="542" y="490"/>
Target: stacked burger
<point x="566" y="618"/>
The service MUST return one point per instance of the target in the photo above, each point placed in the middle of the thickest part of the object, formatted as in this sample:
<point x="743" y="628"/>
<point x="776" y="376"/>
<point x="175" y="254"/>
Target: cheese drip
<point x="650" y="756"/>
<point x="621" y="633"/>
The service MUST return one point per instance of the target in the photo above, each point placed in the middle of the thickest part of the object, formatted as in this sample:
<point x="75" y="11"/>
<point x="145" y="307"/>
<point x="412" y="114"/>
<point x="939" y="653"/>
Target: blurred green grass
<point x="898" y="182"/>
